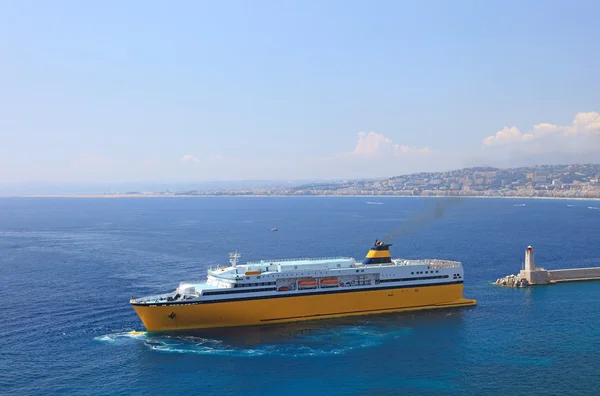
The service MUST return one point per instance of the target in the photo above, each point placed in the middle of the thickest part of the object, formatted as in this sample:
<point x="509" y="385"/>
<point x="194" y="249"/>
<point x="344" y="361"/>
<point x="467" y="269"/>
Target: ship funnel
<point x="379" y="254"/>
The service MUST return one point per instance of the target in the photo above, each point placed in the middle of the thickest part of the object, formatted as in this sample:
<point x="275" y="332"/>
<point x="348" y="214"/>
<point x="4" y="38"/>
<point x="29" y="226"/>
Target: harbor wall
<point x="538" y="277"/>
<point x="532" y="275"/>
<point x="565" y="275"/>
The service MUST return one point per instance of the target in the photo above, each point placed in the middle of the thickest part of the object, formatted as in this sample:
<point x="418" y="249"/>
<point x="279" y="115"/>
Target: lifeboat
<point x="308" y="284"/>
<point x="283" y="288"/>
<point x="330" y="283"/>
<point x="247" y="273"/>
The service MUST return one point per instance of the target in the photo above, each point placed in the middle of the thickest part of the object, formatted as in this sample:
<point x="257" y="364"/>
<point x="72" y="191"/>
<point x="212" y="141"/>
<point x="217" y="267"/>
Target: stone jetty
<point x="531" y="275"/>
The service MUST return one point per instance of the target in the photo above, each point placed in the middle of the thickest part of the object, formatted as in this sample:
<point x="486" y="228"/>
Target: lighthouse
<point x="534" y="275"/>
<point x="529" y="259"/>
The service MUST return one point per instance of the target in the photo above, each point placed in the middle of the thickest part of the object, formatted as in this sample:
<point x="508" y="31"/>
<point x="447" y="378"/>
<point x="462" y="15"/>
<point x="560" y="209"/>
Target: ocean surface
<point x="69" y="266"/>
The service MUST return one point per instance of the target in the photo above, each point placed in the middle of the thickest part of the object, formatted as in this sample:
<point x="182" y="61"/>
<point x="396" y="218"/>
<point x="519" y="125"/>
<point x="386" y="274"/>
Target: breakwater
<point x="574" y="275"/>
<point x="532" y="275"/>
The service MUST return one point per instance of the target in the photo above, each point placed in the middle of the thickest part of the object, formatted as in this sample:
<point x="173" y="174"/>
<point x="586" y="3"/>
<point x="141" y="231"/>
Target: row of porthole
<point x="253" y="284"/>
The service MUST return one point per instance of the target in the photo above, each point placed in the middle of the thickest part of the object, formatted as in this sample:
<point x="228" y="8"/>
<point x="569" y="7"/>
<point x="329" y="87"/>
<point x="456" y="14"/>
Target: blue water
<point x="69" y="266"/>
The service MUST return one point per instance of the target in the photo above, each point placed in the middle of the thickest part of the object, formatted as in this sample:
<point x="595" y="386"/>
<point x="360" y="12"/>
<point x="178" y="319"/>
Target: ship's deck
<point x="300" y="261"/>
<point x="160" y="298"/>
<point x="347" y="260"/>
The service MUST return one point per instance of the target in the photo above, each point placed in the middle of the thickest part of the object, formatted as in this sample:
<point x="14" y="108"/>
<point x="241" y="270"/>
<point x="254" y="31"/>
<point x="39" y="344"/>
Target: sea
<point x="68" y="267"/>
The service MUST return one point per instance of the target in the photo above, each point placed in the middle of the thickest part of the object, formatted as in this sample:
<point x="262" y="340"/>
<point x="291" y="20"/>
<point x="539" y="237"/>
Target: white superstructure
<point x="309" y="275"/>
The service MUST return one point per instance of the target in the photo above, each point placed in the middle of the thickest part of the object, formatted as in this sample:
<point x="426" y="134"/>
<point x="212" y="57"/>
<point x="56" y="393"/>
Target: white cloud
<point x="372" y="144"/>
<point x="584" y="124"/>
<point x="95" y="160"/>
<point x="189" y="158"/>
<point x="217" y="157"/>
<point x="507" y="135"/>
<point x="375" y="155"/>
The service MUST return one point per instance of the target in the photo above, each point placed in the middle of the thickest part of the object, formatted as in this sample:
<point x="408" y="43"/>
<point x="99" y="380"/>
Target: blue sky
<point x="234" y="90"/>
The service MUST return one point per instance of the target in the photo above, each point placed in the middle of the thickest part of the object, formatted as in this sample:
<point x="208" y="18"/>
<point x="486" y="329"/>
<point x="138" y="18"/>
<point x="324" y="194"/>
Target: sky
<point x="141" y="91"/>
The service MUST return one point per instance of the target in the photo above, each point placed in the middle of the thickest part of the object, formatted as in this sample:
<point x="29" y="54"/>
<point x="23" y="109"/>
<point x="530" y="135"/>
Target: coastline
<point x="124" y="196"/>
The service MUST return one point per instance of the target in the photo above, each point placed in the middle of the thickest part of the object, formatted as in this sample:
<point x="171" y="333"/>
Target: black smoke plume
<point x="422" y="218"/>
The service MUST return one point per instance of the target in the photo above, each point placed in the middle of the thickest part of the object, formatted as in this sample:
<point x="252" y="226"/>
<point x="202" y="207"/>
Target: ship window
<point x="247" y="278"/>
<point x="357" y="270"/>
<point x="258" y="277"/>
<point x="339" y="266"/>
<point x="412" y="273"/>
<point x="437" y="272"/>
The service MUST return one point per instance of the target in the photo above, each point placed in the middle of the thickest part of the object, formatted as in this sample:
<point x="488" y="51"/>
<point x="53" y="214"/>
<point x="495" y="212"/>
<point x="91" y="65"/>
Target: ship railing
<point x="154" y="298"/>
<point x="218" y="267"/>
<point x="432" y="262"/>
<point x="298" y="259"/>
<point x="193" y="282"/>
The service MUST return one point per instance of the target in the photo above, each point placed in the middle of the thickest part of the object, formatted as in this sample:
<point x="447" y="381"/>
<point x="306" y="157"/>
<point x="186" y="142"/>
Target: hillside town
<point x="558" y="181"/>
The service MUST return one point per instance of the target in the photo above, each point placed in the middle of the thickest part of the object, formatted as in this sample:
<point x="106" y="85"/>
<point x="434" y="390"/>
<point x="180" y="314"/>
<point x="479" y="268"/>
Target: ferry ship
<point x="289" y="290"/>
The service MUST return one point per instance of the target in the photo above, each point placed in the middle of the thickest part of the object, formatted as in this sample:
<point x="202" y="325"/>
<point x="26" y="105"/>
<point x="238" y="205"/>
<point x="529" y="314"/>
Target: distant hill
<point x="574" y="180"/>
<point x="569" y="181"/>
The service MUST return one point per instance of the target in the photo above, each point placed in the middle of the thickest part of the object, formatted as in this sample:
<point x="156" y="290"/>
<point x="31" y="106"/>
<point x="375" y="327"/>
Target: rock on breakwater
<point x="512" y="281"/>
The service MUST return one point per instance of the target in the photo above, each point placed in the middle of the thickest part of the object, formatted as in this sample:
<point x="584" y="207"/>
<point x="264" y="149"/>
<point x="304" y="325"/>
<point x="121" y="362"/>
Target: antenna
<point x="234" y="257"/>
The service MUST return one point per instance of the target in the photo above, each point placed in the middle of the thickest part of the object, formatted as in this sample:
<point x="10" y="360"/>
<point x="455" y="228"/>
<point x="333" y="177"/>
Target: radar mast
<point x="234" y="257"/>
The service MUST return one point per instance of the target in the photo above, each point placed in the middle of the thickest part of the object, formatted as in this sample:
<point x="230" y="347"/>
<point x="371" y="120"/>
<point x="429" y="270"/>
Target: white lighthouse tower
<point x="529" y="259"/>
<point x="533" y="274"/>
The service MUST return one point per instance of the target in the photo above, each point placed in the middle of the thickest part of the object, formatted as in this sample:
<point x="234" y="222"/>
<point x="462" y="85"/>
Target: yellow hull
<point x="291" y="309"/>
